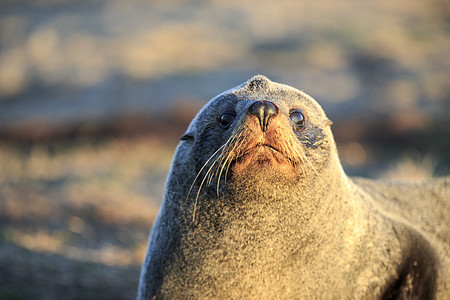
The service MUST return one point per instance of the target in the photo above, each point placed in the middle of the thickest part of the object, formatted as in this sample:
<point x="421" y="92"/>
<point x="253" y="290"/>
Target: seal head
<point x="260" y="132"/>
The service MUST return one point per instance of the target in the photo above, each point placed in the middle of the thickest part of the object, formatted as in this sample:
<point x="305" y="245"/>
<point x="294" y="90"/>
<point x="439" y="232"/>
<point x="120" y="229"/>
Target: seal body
<point x="257" y="206"/>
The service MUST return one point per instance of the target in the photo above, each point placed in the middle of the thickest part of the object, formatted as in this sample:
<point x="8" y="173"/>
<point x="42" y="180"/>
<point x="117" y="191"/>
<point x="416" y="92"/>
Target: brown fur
<point x="252" y="214"/>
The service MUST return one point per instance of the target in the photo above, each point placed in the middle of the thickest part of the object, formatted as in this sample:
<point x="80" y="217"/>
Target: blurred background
<point x="95" y="94"/>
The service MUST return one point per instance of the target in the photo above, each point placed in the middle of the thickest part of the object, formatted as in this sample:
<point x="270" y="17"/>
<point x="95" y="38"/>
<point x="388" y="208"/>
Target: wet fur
<point x="234" y="226"/>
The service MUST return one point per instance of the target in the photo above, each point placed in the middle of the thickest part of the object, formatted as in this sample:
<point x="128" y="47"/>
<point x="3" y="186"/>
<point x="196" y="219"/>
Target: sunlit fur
<point x="252" y="214"/>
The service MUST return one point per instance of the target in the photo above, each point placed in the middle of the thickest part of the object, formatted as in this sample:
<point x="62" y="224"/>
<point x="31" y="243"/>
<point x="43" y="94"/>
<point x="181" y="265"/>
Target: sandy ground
<point x="75" y="215"/>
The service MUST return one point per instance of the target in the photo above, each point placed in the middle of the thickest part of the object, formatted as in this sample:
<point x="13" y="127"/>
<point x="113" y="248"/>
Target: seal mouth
<point x="259" y="146"/>
<point x="264" y="152"/>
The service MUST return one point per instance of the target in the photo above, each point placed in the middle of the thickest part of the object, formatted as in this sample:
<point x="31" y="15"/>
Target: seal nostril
<point x="264" y="110"/>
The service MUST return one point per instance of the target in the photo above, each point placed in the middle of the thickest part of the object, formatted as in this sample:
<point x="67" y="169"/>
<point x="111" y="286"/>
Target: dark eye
<point x="298" y="118"/>
<point x="226" y="119"/>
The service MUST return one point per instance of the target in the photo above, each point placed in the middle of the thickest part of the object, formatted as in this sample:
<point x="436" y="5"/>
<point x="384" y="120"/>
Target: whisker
<point x="199" y="190"/>
<point x="199" y="172"/>
<point x="313" y="168"/>
<point x="225" y="150"/>
<point x="311" y="165"/>
<point x="300" y="156"/>
<point x="229" y="155"/>
<point x="211" y="174"/>
<point x="232" y="140"/>
<point x="208" y="176"/>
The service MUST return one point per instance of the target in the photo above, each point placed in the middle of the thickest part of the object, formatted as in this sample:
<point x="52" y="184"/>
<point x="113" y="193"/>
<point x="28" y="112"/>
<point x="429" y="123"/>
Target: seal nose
<point x="263" y="110"/>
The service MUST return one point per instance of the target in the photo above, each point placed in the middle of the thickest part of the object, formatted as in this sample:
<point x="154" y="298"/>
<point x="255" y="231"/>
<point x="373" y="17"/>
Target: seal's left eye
<point x="226" y="119"/>
<point x="298" y="118"/>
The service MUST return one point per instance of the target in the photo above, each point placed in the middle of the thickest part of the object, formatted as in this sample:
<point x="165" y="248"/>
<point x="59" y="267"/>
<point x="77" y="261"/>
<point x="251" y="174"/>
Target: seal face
<point x="257" y="206"/>
<point x="250" y="134"/>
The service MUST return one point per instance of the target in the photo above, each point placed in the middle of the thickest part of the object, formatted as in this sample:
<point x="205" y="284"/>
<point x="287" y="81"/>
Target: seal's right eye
<point x="226" y="119"/>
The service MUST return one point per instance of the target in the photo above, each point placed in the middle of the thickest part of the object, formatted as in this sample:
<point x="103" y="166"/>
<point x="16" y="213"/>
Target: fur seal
<point x="257" y="206"/>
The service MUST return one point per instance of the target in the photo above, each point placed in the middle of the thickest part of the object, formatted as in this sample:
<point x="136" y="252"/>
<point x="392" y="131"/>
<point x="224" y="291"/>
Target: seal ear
<point x="187" y="137"/>
<point x="327" y="123"/>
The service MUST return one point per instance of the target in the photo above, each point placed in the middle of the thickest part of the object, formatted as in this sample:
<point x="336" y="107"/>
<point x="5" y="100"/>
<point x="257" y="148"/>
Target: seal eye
<point x="226" y="119"/>
<point x="298" y="118"/>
